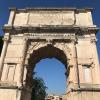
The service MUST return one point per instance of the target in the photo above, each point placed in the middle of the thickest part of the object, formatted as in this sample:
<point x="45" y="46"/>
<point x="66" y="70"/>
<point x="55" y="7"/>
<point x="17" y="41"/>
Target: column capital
<point x="74" y="41"/>
<point x="93" y="40"/>
<point x="25" y="39"/>
<point x="6" y="37"/>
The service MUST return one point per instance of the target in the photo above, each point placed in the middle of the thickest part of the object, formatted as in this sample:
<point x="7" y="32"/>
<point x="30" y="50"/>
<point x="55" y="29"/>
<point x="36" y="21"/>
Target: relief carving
<point x="64" y="47"/>
<point x="34" y="46"/>
<point x="35" y="35"/>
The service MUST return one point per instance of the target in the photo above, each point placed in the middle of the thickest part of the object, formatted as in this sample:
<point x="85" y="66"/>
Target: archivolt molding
<point x="36" y="45"/>
<point x="66" y="49"/>
<point x="68" y="52"/>
<point x="33" y="46"/>
<point x="40" y="45"/>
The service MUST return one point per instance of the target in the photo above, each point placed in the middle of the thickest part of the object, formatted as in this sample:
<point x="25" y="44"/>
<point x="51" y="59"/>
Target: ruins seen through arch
<point x="68" y="34"/>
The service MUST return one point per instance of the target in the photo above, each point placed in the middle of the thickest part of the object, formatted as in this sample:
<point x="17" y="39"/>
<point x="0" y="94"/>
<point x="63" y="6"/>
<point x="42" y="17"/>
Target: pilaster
<point x="21" y="65"/>
<point x="95" y="60"/>
<point x="4" y="50"/>
<point x="75" y="63"/>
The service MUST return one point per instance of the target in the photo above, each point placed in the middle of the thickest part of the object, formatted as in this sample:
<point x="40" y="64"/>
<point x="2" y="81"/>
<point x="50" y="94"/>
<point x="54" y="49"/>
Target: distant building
<point x="64" y="97"/>
<point x="55" y="97"/>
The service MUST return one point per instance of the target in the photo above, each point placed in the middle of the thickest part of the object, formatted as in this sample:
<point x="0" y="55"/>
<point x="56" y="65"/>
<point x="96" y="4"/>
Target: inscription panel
<point x="50" y="36"/>
<point x="51" y="18"/>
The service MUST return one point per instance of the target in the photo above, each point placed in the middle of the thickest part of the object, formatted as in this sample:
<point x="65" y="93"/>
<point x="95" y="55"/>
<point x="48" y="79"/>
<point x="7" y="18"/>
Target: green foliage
<point x="1" y="44"/>
<point x="38" y="89"/>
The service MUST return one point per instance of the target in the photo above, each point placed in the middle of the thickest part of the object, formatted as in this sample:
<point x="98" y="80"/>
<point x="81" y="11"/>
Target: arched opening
<point x="43" y="53"/>
<point x="52" y="71"/>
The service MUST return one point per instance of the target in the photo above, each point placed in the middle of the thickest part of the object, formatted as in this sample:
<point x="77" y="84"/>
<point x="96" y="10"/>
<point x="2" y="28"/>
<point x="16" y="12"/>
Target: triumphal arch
<point x="32" y="34"/>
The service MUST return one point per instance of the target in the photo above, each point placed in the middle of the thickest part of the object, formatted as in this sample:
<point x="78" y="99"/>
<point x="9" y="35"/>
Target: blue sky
<point x="53" y="73"/>
<point x="45" y="66"/>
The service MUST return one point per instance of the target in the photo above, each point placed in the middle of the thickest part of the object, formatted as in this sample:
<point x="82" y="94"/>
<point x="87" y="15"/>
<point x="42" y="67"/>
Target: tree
<point x="1" y="44"/>
<point x="38" y="89"/>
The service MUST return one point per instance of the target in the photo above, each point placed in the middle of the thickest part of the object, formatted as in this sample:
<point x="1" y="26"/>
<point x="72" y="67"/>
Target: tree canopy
<point x="38" y="89"/>
<point x="1" y="44"/>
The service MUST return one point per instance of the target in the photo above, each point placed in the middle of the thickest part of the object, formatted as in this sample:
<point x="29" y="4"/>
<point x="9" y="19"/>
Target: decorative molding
<point x="49" y="9"/>
<point x="7" y="83"/>
<point x="48" y="28"/>
<point x="93" y="40"/>
<point x="49" y="41"/>
<point x="6" y="37"/>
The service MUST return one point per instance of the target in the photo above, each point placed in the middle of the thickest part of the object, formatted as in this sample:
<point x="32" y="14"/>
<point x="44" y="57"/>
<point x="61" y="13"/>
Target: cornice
<point x="49" y="28"/>
<point x="50" y="9"/>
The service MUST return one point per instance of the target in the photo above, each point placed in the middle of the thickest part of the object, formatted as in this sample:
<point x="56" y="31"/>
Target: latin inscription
<point x="51" y="36"/>
<point x="51" y="18"/>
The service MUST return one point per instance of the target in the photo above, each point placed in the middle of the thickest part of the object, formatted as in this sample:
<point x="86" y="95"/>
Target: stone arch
<point x="48" y="51"/>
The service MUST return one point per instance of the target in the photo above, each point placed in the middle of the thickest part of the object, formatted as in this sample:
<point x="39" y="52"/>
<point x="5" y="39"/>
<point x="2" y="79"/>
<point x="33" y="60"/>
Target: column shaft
<point x="75" y="61"/>
<point x="21" y="65"/>
<point x="96" y="61"/>
<point x="24" y="75"/>
<point x="3" y="54"/>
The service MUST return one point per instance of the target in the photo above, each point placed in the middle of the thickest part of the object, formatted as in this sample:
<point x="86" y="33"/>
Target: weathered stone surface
<point x="34" y="34"/>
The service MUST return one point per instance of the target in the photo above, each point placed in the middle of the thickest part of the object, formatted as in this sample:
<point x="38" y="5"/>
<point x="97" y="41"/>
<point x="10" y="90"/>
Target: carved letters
<point x="49" y="18"/>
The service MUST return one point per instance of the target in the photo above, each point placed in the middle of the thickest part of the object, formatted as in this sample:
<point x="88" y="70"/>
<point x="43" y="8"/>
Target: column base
<point x="85" y="92"/>
<point x="83" y="95"/>
<point x="14" y="93"/>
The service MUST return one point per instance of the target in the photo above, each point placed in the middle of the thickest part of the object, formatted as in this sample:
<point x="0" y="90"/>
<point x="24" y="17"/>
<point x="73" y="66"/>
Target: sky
<point x="53" y="73"/>
<point x="50" y="67"/>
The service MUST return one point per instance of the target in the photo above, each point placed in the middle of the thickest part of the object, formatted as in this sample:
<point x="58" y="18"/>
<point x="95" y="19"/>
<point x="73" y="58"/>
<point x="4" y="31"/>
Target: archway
<point x="48" y="51"/>
<point x="67" y="38"/>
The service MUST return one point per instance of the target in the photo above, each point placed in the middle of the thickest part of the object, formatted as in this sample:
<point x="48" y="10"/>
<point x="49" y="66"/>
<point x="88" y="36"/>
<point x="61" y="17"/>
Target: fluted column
<point x="96" y="60"/>
<point x="24" y="74"/>
<point x="22" y="61"/>
<point x="3" y="54"/>
<point x="75" y="63"/>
